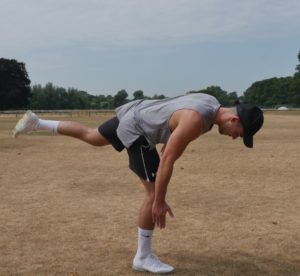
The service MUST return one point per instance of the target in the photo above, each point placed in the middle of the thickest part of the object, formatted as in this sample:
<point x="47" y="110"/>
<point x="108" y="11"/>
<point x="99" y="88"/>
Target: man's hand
<point x="159" y="212"/>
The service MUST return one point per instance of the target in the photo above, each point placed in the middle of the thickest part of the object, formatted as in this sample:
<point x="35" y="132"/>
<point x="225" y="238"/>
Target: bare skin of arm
<point x="186" y="126"/>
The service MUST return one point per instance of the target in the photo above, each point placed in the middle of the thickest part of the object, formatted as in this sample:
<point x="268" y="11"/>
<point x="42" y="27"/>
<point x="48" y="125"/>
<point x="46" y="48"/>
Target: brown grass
<point x="67" y="208"/>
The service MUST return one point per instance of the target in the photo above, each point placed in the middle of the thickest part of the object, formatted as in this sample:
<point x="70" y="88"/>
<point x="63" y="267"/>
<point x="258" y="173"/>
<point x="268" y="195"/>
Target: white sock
<point x="144" y="243"/>
<point x="48" y="125"/>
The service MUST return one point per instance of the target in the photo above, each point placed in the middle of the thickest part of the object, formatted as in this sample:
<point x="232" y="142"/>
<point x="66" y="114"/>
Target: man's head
<point x="244" y="121"/>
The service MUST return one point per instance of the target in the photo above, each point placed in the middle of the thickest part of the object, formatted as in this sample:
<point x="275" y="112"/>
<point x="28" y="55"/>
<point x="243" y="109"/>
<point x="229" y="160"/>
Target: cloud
<point x="98" y="24"/>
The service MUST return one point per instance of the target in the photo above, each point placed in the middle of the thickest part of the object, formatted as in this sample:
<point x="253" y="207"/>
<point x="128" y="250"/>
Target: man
<point x="138" y="127"/>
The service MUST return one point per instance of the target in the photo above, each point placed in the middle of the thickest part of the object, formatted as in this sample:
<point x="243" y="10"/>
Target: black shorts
<point x="143" y="160"/>
<point x="109" y="131"/>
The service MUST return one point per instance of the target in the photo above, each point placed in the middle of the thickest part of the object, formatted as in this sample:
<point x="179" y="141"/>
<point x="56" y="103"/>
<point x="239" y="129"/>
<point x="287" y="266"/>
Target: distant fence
<point x="93" y="112"/>
<point x="69" y="112"/>
<point x="289" y="110"/>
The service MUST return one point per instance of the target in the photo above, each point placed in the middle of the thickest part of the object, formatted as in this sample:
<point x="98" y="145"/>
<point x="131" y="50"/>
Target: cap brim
<point x="248" y="141"/>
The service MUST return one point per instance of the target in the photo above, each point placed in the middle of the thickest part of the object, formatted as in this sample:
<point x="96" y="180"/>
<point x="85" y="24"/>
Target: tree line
<point x="276" y="92"/>
<point x="16" y="92"/>
<point x="53" y="97"/>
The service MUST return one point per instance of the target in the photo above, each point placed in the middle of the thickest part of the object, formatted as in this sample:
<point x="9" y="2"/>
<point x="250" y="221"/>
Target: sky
<point x="165" y="47"/>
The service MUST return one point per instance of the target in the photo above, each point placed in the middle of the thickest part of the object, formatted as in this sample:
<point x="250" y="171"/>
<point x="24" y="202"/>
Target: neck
<point x="222" y="115"/>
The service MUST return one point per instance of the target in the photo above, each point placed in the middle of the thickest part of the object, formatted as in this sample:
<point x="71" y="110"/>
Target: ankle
<point x="142" y="256"/>
<point x="144" y="243"/>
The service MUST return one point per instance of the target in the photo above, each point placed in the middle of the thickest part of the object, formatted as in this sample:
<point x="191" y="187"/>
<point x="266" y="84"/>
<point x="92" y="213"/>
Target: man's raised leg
<point x="31" y="122"/>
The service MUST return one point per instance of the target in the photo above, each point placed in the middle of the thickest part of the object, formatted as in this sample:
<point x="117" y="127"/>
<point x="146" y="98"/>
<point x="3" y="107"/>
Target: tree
<point x="295" y="86"/>
<point x="14" y="85"/>
<point x="120" y="98"/>
<point x="138" y="95"/>
<point x="52" y="97"/>
<point x="38" y="99"/>
<point x="276" y="91"/>
<point x="298" y="66"/>
<point x="222" y="96"/>
<point x="158" y="97"/>
<point x="270" y="92"/>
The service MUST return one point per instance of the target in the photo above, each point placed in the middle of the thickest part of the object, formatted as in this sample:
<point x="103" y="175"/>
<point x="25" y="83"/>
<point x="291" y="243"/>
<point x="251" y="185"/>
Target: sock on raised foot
<point x="48" y="125"/>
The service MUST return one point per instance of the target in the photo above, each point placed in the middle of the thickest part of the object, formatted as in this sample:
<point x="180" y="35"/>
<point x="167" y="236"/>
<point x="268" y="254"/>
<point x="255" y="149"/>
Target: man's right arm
<point x="189" y="127"/>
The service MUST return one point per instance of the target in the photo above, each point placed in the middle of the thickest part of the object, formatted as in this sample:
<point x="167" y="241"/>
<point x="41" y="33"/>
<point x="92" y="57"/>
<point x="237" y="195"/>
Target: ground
<point x="68" y="208"/>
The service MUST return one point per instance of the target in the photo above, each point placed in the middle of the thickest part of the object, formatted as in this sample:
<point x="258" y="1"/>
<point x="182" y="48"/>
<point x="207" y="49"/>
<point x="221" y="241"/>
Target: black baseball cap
<point x="252" y="119"/>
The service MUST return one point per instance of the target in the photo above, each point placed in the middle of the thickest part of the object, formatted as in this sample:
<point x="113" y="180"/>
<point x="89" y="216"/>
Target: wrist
<point x="159" y="201"/>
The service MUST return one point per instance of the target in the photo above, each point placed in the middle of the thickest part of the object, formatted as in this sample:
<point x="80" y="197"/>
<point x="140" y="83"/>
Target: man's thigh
<point x="143" y="160"/>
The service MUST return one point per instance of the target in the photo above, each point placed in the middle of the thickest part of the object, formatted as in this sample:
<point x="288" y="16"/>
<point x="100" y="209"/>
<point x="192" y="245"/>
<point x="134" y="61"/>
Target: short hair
<point x="234" y="111"/>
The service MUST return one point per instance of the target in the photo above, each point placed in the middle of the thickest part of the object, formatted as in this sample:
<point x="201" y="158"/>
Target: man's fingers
<point x="170" y="213"/>
<point x="159" y="216"/>
<point x="163" y="223"/>
<point x="159" y="221"/>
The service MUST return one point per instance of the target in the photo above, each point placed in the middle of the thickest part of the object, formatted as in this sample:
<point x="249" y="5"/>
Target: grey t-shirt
<point x="150" y="118"/>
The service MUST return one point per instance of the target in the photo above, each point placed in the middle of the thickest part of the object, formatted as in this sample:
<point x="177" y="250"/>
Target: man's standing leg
<point x="144" y="259"/>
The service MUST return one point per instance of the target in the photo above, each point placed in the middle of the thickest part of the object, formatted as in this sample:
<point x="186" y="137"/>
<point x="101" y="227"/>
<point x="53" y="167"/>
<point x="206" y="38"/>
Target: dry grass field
<point x="67" y="208"/>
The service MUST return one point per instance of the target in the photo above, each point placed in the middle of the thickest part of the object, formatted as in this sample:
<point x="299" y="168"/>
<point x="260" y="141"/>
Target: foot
<point x="151" y="264"/>
<point x="26" y="124"/>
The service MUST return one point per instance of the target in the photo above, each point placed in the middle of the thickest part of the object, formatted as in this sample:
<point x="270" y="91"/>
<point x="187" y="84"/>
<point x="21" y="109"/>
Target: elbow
<point x="167" y="160"/>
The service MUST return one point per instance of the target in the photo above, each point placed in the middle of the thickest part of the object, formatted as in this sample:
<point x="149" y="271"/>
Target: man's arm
<point x="188" y="128"/>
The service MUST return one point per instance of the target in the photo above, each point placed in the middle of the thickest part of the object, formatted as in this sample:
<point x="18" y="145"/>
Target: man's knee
<point x="150" y="197"/>
<point x="93" y="137"/>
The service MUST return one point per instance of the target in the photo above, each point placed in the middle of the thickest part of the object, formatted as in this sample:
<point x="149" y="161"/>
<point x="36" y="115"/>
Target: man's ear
<point x="234" y="119"/>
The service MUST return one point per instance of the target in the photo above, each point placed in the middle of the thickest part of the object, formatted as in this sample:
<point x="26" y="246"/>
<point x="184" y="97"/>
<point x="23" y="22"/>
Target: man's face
<point x="232" y="128"/>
